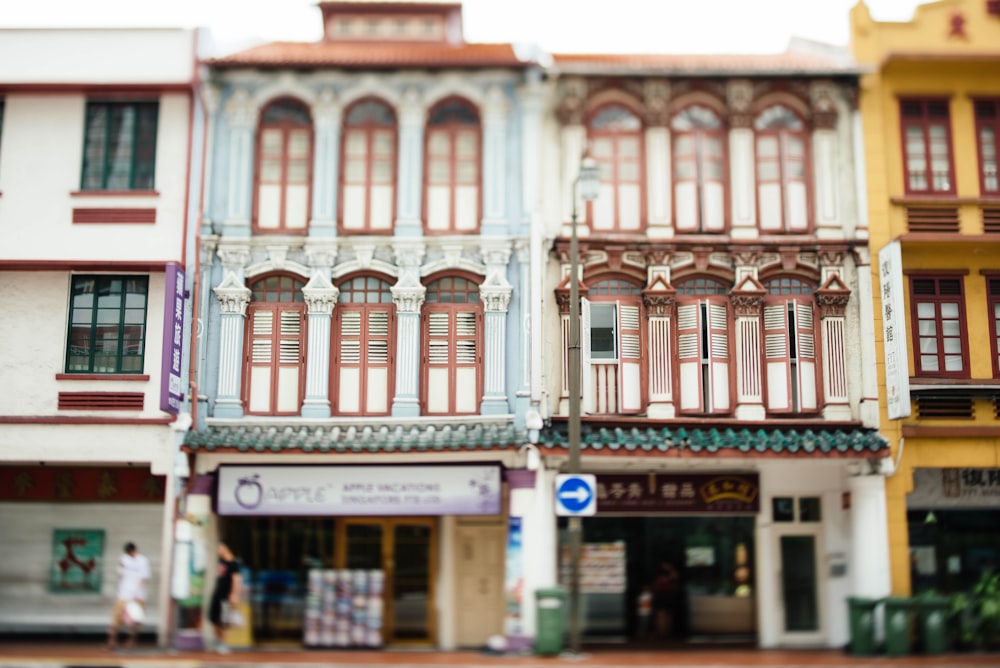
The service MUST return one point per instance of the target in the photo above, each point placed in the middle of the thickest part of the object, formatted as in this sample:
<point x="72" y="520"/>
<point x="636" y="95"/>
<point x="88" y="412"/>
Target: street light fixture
<point x="586" y="187"/>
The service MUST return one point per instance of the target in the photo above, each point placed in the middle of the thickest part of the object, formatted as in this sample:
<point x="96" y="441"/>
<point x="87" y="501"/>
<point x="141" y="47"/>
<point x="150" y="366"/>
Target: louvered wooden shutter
<point x="689" y="358"/>
<point x="466" y="369"/>
<point x="289" y="381"/>
<point x="439" y="385"/>
<point x="349" y="362"/>
<point x="275" y="369"/>
<point x="588" y="401"/>
<point x="806" y="350"/>
<point x="630" y="359"/>
<point x="718" y="355"/>
<point x="776" y="357"/>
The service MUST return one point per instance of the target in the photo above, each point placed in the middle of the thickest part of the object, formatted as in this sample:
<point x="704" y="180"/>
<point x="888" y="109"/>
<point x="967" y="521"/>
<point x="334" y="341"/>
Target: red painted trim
<point x="452" y="309"/>
<point x="453" y="129"/>
<point x="96" y="216"/>
<point x="938" y="299"/>
<point x="369" y="129"/>
<point x="114" y="193"/>
<point x="76" y="484"/>
<point x="59" y="419"/>
<point x="101" y="376"/>
<point x="616" y="136"/>
<point x="109" y="266"/>
<point x="930" y="273"/>
<point x="993" y="124"/>
<point x="925" y="122"/>
<point x="102" y="401"/>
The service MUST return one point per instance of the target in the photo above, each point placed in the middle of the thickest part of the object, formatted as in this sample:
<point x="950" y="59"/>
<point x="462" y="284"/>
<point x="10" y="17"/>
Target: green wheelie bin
<point x="898" y="625"/>
<point x="861" y="613"/>
<point x="550" y="620"/>
<point x="932" y="613"/>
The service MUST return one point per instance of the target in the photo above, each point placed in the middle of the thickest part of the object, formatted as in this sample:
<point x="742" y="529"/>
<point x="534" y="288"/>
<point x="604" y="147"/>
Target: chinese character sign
<point x="77" y="561"/>
<point x="897" y="379"/>
<point x="171" y="389"/>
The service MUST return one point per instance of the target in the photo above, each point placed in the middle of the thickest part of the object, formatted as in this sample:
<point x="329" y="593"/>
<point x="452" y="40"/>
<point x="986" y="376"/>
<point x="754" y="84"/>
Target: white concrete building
<point x="96" y="158"/>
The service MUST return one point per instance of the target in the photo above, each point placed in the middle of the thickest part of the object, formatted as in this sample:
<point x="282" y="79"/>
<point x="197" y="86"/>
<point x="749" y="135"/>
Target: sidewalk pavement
<point x="55" y="654"/>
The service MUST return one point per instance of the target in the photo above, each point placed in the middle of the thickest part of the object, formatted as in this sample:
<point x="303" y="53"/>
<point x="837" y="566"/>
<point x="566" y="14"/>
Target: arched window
<point x="275" y="340"/>
<point x="368" y="178"/>
<point x="452" y="382"/>
<point x="703" y="346"/>
<point x="284" y="168"/>
<point x="452" y="169"/>
<point x="790" y="357"/>
<point x="612" y="347"/>
<point x="782" y="173"/>
<point x="615" y="135"/>
<point x="698" y="170"/>
<point x="364" y="349"/>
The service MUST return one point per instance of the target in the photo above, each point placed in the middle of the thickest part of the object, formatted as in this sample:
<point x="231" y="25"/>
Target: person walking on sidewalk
<point x="130" y="602"/>
<point x="225" y="596"/>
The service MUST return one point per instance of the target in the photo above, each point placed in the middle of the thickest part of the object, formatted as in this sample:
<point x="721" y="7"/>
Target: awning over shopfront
<point x="726" y="441"/>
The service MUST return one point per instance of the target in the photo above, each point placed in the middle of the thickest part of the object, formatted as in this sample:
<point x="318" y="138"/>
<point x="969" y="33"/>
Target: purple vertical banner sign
<point x="171" y="390"/>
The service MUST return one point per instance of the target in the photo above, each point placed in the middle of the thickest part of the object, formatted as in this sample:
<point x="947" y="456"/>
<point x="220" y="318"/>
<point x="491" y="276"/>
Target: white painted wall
<point x="25" y="560"/>
<point x="133" y="55"/>
<point x="41" y="163"/>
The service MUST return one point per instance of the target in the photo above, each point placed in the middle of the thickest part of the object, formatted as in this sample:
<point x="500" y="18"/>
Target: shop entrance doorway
<point x="278" y="553"/>
<point x="712" y="597"/>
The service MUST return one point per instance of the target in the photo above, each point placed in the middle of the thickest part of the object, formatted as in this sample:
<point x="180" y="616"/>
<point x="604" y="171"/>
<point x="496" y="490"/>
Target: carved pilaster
<point x="240" y="110"/>
<point x="233" y="296"/>
<point x="408" y="299"/>
<point x="320" y="295"/>
<point x="571" y="106"/>
<point x="659" y="304"/>
<point x="495" y="298"/>
<point x="656" y="95"/>
<point x="747" y="305"/>
<point x="824" y="110"/>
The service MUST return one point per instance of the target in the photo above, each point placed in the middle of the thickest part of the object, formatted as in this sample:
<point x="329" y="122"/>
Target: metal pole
<point x="575" y="527"/>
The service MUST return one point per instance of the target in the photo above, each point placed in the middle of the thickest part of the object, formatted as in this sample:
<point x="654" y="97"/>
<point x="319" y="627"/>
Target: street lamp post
<point x="585" y="187"/>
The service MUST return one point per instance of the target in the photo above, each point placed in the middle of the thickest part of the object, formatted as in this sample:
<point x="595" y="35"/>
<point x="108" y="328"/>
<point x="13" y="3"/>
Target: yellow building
<point x="930" y="107"/>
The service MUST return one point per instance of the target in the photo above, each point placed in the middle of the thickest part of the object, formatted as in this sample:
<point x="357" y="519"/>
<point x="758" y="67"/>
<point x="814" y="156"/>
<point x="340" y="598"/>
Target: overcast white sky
<point x="608" y="26"/>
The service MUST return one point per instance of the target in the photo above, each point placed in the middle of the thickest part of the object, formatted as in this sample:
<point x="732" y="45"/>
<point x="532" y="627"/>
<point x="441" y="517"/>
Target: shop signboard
<point x="678" y="492"/>
<point x="171" y="390"/>
<point x="897" y="371"/>
<point x="954" y="488"/>
<point x="77" y="561"/>
<point x="359" y="490"/>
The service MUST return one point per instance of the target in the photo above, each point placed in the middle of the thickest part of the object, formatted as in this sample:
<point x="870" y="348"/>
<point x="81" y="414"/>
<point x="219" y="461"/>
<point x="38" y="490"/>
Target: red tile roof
<point x="788" y="62"/>
<point x="363" y="55"/>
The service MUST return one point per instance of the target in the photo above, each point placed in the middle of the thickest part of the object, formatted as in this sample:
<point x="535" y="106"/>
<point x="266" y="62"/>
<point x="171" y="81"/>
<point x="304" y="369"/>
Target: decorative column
<point x="826" y="167"/>
<point x="660" y="303"/>
<point x="326" y="158"/>
<point x="523" y="331"/>
<point x="241" y="115"/>
<point x="495" y="294"/>
<point x="494" y="114"/>
<point x="409" y="176"/>
<point x="748" y="301"/>
<point x="866" y="326"/>
<point x="869" y="544"/>
<point x="742" y="179"/>
<point x="531" y="101"/>
<point x="562" y="299"/>
<point x="201" y="327"/>
<point x="832" y="298"/>
<point x="658" y="169"/>
<point x="320" y="297"/>
<point x="233" y="299"/>
<point x="408" y="295"/>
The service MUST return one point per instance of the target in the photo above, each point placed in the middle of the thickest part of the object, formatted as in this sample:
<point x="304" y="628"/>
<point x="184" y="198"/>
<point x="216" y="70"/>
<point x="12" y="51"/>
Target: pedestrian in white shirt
<point x="133" y="574"/>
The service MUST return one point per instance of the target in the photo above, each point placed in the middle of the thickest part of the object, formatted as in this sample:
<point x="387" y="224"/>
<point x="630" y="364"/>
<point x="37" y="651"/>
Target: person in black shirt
<point x="227" y="591"/>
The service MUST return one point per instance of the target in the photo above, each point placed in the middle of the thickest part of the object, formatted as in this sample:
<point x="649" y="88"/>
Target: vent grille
<point x="991" y="221"/>
<point x="932" y="219"/>
<point x="950" y="406"/>
<point x="114" y="216"/>
<point x="102" y="401"/>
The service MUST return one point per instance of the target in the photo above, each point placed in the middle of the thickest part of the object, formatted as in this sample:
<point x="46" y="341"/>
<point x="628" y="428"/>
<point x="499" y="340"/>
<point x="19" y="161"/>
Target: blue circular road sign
<point x="575" y="494"/>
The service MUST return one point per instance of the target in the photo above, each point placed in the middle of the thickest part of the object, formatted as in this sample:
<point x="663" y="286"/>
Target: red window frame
<point x="628" y="336"/>
<point x="988" y="144"/>
<point x="699" y="340"/>
<point x="791" y="333"/>
<point x="366" y="295"/>
<point x="470" y="165"/>
<point x="938" y="291"/>
<point x="275" y="293"/>
<point x="993" y="304"/>
<point x="918" y="120"/>
<point x="370" y="128"/>
<point x="612" y="163"/>
<point x="452" y="295"/>
<point x="285" y="126"/>
<point x="700" y="135"/>
<point x="790" y="127"/>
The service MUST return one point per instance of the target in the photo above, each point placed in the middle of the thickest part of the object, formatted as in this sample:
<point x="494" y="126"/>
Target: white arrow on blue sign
<point x="576" y="494"/>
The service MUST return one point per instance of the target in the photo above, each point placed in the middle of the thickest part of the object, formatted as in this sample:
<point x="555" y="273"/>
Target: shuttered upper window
<point x="363" y="348"/>
<point x="612" y="355"/>
<point x="927" y="160"/>
<point x="275" y="376"/>
<point x="452" y="372"/>
<point x="993" y="299"/>
<point x="616" y="143"/>
<point x="782" y="171"/>
<point x="368" y="168"/>
<point x="703" y="346"/>
<point x="937" y="306"/>
<point x="790" y="362"/>
<point x="284" y="168"/>
<point x="988" y="139"/>
<point x="698" y="171"/>
<point x="452" y="168"/>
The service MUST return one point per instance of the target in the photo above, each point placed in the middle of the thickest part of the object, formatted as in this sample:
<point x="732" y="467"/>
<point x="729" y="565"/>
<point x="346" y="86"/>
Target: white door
<point x="800" y="583"/>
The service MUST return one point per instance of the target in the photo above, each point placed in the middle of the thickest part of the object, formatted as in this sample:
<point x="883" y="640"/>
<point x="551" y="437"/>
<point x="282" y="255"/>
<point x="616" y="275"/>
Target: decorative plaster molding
<point x="240" y="110"/>
<point x="656" y="97"/>
<point x="320" y="294"/>
<point x="739" y="97"/>
<point x="572" y="102"/>
<point x="824" y="109"/>
<point x="747" y="306"/>
<point x="233" y="296"/>
<point x="495" y="298"/>
<point x="409" y="253"/>
<point x="408" y="299"/>
<point x="234" y="257"/>
<point x="326" y="111"/>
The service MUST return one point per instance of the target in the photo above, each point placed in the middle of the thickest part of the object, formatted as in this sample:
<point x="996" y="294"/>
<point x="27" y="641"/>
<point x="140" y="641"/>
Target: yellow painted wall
<point x="922" y="58"/>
